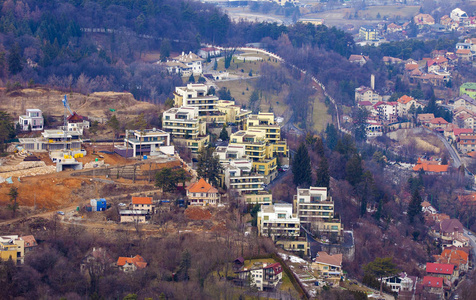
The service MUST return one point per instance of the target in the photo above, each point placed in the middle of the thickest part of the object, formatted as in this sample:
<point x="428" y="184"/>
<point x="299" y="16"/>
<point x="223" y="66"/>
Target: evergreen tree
<point x="191" y="79"/>
<point x="323" y="177"/>
<point x="113" y="123"/>
<point x="381" y="267"/>
<point x="301" y="167"/>
<point x="13" y="206"/>
<point x="331" y="136"/>
<point x="319" y="147"/>
<point x="414" y="208"/>
<point x="208" y="166"/>
<point x="354" y="170"/>
<point x="14" y="60"/>
<point x="224" y="133"/>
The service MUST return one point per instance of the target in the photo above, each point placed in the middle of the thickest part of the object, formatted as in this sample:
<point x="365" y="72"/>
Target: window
<point x="281" y="216"/>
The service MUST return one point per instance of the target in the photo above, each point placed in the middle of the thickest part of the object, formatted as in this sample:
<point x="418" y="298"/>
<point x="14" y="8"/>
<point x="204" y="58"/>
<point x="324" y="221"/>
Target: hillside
<point x="93" y="105"/>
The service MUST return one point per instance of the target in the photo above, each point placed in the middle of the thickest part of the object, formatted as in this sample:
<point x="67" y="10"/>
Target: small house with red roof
<point x="446" y="271"/>
<point x="77" y="123"/>
<point x="202" y="193"/>
<point x="454" y="256"/>
<point x="425" y="119"/>
<point x="328" y="265"/>
<point x="464" y="54"/>
<point x="430" y="167"/>
<point x="433" y="285"/>
<point x="405" y="103"/>
<point x="265" y="277"/>
<point x="142" y="203"/>
<point x="131" y="264"/>
<point x="438" y="123"/>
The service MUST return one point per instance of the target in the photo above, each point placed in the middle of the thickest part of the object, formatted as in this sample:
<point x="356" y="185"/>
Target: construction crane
<point x="65" y="128"/>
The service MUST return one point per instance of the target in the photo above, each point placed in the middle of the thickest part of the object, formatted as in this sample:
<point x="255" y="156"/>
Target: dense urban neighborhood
<point x="237" y="150"/>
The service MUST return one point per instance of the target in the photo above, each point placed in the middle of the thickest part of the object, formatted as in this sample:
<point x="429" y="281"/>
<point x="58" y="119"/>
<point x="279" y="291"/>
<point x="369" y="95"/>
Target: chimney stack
<point x="372" y="82"/>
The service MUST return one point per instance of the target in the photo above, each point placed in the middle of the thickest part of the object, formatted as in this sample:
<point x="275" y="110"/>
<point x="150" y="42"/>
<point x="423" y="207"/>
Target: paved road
<point x="451" y="150"/>
<point x="472" y="241"/>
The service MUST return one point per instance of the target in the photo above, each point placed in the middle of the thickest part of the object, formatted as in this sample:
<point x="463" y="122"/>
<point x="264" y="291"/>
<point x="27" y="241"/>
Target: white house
<point x="192" y="61"/>
<point x="458" y="15"/>
<point x="209" y="52"/>
<point x="148" y="141"/>
<point x="32" y="120"/>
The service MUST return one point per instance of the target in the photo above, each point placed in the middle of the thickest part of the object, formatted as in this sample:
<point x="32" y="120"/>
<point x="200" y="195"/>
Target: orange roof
<point x="472" y="154"/>
<point x="142" y="200"/>
<point x="411" y="66"/>
<point x="201" y="187"/>
<point x="438" y="121"/>
<point x="454" y="257"/>
<point x="463" y="51"/>
<point x="404" y="99"/>
<point x="427" y="167"/>
<point x="137" y="260"/>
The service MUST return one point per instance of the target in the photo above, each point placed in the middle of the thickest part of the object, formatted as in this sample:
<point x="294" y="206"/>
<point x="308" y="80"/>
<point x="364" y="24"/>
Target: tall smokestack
<point x="372" y="82"/>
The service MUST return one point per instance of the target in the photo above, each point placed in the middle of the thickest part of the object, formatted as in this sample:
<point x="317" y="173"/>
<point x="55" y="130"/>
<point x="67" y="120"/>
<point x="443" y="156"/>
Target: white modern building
<point x="32" y="120"/>
<point x="183" y="122"/>
<point x="278" y="221"/>
<point x="239" y="177"/>
<point x="458" y="15"/>
<point x="145" y="142"/>
<point x="196" y="95"/>
<point x="52" y="140"/>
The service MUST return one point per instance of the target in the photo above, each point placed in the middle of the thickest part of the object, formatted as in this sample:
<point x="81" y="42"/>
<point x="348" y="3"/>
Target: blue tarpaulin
<point x="9" y="180"/>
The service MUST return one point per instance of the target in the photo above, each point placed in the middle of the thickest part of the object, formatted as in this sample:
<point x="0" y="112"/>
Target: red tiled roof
<point x="201" y="187"/>
<point x="430" y="281"/>
<point x="405" y="99"/>
<point x="458" y="131"/>
<point x="439" y="121"/>
<point x="29" y="241"/>
<point x="454" y="257"/>
<point x="142" y="200"/>
<point x="137" y="260"/>
<point x="451" y="226"/>
<point x="323" y="257"/>
<point x="428" y="167"/>
<point x="445" y="269"/>
<point x="276" y="267"/>
<point x="365" y="103"/>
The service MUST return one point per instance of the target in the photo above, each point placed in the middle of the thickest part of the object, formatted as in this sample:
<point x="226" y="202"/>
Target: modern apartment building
<point x="196" y="95"/>
<point x="183" y="122"/>
<point x="315" y="210"/>
<point x="278" y="221"/>
<point x="147" y="142"/>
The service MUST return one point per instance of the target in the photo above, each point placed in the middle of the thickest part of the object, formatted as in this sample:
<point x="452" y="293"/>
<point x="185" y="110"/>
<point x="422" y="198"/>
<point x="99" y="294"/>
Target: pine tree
<point x="354" y="170"/>
<point x="14" y="60"/>
<point x="13" y="206"/>
<point x="224" y="133"/>
<point x="319" y="147"/>
<point x="301" y="167"/>
<point x="208" y="166"/>
<point x="323" y="177"/>
<point x="414" y="209"/>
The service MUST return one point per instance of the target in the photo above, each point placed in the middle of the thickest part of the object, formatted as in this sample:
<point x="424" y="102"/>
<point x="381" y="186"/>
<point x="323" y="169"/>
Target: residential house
<point x="368" y="33"/>
<point x="364" y="93"/>
<point x="176" y="67"/>
<point x="142" y="203"/>
<point x="315" y="210"/>
<point x="97" y="261"/>
<point x="437" y="123"/>
<point x="465" y="101"/>
<point x="298" y="244"/>
<point x="425" y="119"/>
<point x="423" y="19"/>
<point x="450" y="230"/>
<point x="391" y="60"/>
<point x="12" y="246"/>
<point x="77" y="123"/>
<point x="430" y="167"/>
<point x="329" y="266"/>
<point x="458" y="258"/>
<point x="446" y="271"/>
<point x="399" y="283"/>
<point x="466" y="121"/>
<point x="467" y="142"/>
<point x="359" y="59"/>
<point x="464" y="55"/>
<point x="202" y="193"/>
<point x="192" y="61"/>
<point x="458" y="15"/>
<point x="134" y="216"/>
<point x="53" y="140"/>
<point x="131" y="264"/>
<point x="392" y="27"/>
<point x="264" y="277"/>
<point x="277" y="221"/>
<point x="433" y="285"/>
<point x="32" y="120"/>
<point x="365" y="104"/>
<point x="233" y="113"/>
<point x="427" y="208"/>
<point x="468" y="88"/>
<point x="406" y="104"/>
<point x="145" y="142"/>
<point x="209" y="52"/>
<point x="438" y="53"/>
<point x="373" y="129"/>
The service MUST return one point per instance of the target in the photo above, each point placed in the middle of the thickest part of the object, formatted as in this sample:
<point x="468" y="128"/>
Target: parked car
<point x="121" y="204"/>
<point x="61" y="213"/>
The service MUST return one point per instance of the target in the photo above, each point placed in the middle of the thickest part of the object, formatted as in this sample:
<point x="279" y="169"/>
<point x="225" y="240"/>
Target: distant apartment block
<point x="315" y="210"/>
<point x="368" y="33"/>
<point x="183" y="122"/>
<point x="364" y="93"/>
<point x="196" y="95"/>
<point x="32" y="120"/>
<point x="277" y="221"/>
